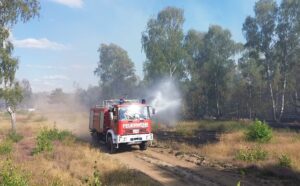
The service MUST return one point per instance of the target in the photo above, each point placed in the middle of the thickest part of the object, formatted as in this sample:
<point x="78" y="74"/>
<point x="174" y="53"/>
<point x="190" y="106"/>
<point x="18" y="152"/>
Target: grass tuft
<point x="285" y="161"/>
<point x="6" y="147"/>
<point x="47" y="136"/>
<point x="14" y="137"/>
<point x="12" y="176"/>
<point x="252" y="154"/>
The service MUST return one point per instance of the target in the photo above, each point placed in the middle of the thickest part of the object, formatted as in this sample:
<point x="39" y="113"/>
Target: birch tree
<point x="219" y="65"/>
<point x="12" y="11"/>
<point x="162" y="43"/>
<point x="259" y="32"/>
<point x="288" y="44"/>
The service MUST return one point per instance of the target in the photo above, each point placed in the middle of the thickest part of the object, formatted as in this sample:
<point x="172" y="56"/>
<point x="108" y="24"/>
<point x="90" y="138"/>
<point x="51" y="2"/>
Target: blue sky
<point x="60" y="47"/>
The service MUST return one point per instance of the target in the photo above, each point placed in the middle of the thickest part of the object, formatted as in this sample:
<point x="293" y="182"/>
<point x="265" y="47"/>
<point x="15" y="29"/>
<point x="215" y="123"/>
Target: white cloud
<point x="70" y="3"/>
<point x="42" y="43"/>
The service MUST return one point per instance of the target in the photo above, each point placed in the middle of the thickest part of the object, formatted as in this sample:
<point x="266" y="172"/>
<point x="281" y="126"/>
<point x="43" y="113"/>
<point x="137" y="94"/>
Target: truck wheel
<point x="110" y="145"/>
<point x="144" y="145"/>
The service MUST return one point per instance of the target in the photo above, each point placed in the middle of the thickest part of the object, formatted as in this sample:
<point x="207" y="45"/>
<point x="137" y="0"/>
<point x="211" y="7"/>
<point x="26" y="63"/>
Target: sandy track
<point x="166" y="168"/>
<point x="169" y="170"/>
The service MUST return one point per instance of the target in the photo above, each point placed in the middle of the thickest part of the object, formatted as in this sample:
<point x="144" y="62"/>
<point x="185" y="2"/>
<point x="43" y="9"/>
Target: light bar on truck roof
<point x="111" y="102"/>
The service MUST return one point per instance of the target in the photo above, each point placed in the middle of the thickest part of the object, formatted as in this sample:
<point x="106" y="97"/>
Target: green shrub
<point x="45" y="138"/>
<point x="6" y="147"/>
<point x="43" y="144"/>
<point x="259" y="131"/>
<point x="252" y="154"/>
<point x="15" y="137"/>
<point x="11" y="176"/>
<point x="285" y="161"/>
<point x="95" y="180"/>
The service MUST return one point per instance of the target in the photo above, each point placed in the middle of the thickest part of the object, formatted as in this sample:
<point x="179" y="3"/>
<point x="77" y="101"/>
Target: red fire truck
<point x="122" y="122"/>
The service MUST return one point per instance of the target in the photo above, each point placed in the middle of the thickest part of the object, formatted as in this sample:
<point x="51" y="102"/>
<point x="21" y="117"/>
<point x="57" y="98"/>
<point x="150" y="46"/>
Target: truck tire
<point x="110" y="145"/>
<point x="144" y="145"/>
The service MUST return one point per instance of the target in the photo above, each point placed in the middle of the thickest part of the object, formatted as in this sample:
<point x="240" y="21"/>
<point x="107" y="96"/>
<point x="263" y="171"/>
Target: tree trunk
<point x="250" y="104"/>
<point x="273" y="102"/>
<point x="217" y="97"/>
<point x="283" y="97"/>
<point x="12" y="118"/>
<point x="296" y="103"/>
<point x="272" y="94"/>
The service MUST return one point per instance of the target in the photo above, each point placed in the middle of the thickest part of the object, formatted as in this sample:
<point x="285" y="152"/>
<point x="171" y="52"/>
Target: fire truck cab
<point x="118" y="122"/>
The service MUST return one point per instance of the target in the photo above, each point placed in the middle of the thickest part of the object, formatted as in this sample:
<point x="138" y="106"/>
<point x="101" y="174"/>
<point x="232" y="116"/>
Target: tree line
<point x="218" y="77"/>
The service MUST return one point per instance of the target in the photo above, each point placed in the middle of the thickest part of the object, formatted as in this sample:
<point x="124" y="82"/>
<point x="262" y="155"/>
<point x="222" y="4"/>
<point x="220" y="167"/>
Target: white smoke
<point x="166" y="100"/>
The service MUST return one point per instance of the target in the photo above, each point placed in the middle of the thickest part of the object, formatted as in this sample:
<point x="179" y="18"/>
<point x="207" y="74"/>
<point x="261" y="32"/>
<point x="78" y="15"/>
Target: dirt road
<point x="169" y="169"/>
<point x="166" y="168"/>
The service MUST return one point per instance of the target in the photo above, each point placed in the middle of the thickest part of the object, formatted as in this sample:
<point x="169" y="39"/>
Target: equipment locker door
<point x="91" y="119"/>
<point x="101" y="121"/>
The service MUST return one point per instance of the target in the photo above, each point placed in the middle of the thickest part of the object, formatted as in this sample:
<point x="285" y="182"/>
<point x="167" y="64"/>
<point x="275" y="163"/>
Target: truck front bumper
<point x="134" y="139"/>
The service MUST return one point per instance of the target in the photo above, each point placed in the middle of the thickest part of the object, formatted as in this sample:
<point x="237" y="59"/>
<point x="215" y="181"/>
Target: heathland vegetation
<point x="241" y="144"/>
<point x="41" y="154"/>
<point x="218" y="78"/>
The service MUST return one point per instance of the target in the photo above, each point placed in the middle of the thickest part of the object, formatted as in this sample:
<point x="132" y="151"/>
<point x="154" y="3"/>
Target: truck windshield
<point x="132" y="112"/>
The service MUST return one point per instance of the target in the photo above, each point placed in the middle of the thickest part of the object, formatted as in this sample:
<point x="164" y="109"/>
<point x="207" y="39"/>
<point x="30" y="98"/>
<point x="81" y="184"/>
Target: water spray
<point x="166" y="100"/>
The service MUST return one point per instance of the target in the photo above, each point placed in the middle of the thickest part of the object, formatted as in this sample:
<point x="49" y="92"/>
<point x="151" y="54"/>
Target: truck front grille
<point x="135" y="139"/>
<point x="130" y="131"/>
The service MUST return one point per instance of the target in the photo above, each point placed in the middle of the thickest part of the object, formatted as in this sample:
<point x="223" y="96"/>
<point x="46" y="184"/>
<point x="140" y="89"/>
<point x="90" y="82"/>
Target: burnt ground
<point x="293" y="126"/>
<point x="201" y="137"/>
<point x="270" y="175"/>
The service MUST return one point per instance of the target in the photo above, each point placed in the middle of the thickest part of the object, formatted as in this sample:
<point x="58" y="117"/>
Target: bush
<point x="6" y="147"/>
<point x="252" y="154"/>
<point x="11" y="176"/>
<point x="43" y="144"/>
<point x="285" y="161"/>
<point x="45" y="138"/>
<point x="15" y="137"/>
<point x="259" y="131"/>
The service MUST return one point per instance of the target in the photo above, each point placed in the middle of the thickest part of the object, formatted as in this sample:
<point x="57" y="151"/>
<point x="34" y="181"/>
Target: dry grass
<point x="231" y="141"/>
<point x="71" y="162"/>
<point x="283" y="143"/>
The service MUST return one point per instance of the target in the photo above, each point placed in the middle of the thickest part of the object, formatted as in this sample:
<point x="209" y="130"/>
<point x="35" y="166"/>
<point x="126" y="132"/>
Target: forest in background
<point x="217" y="76"/>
